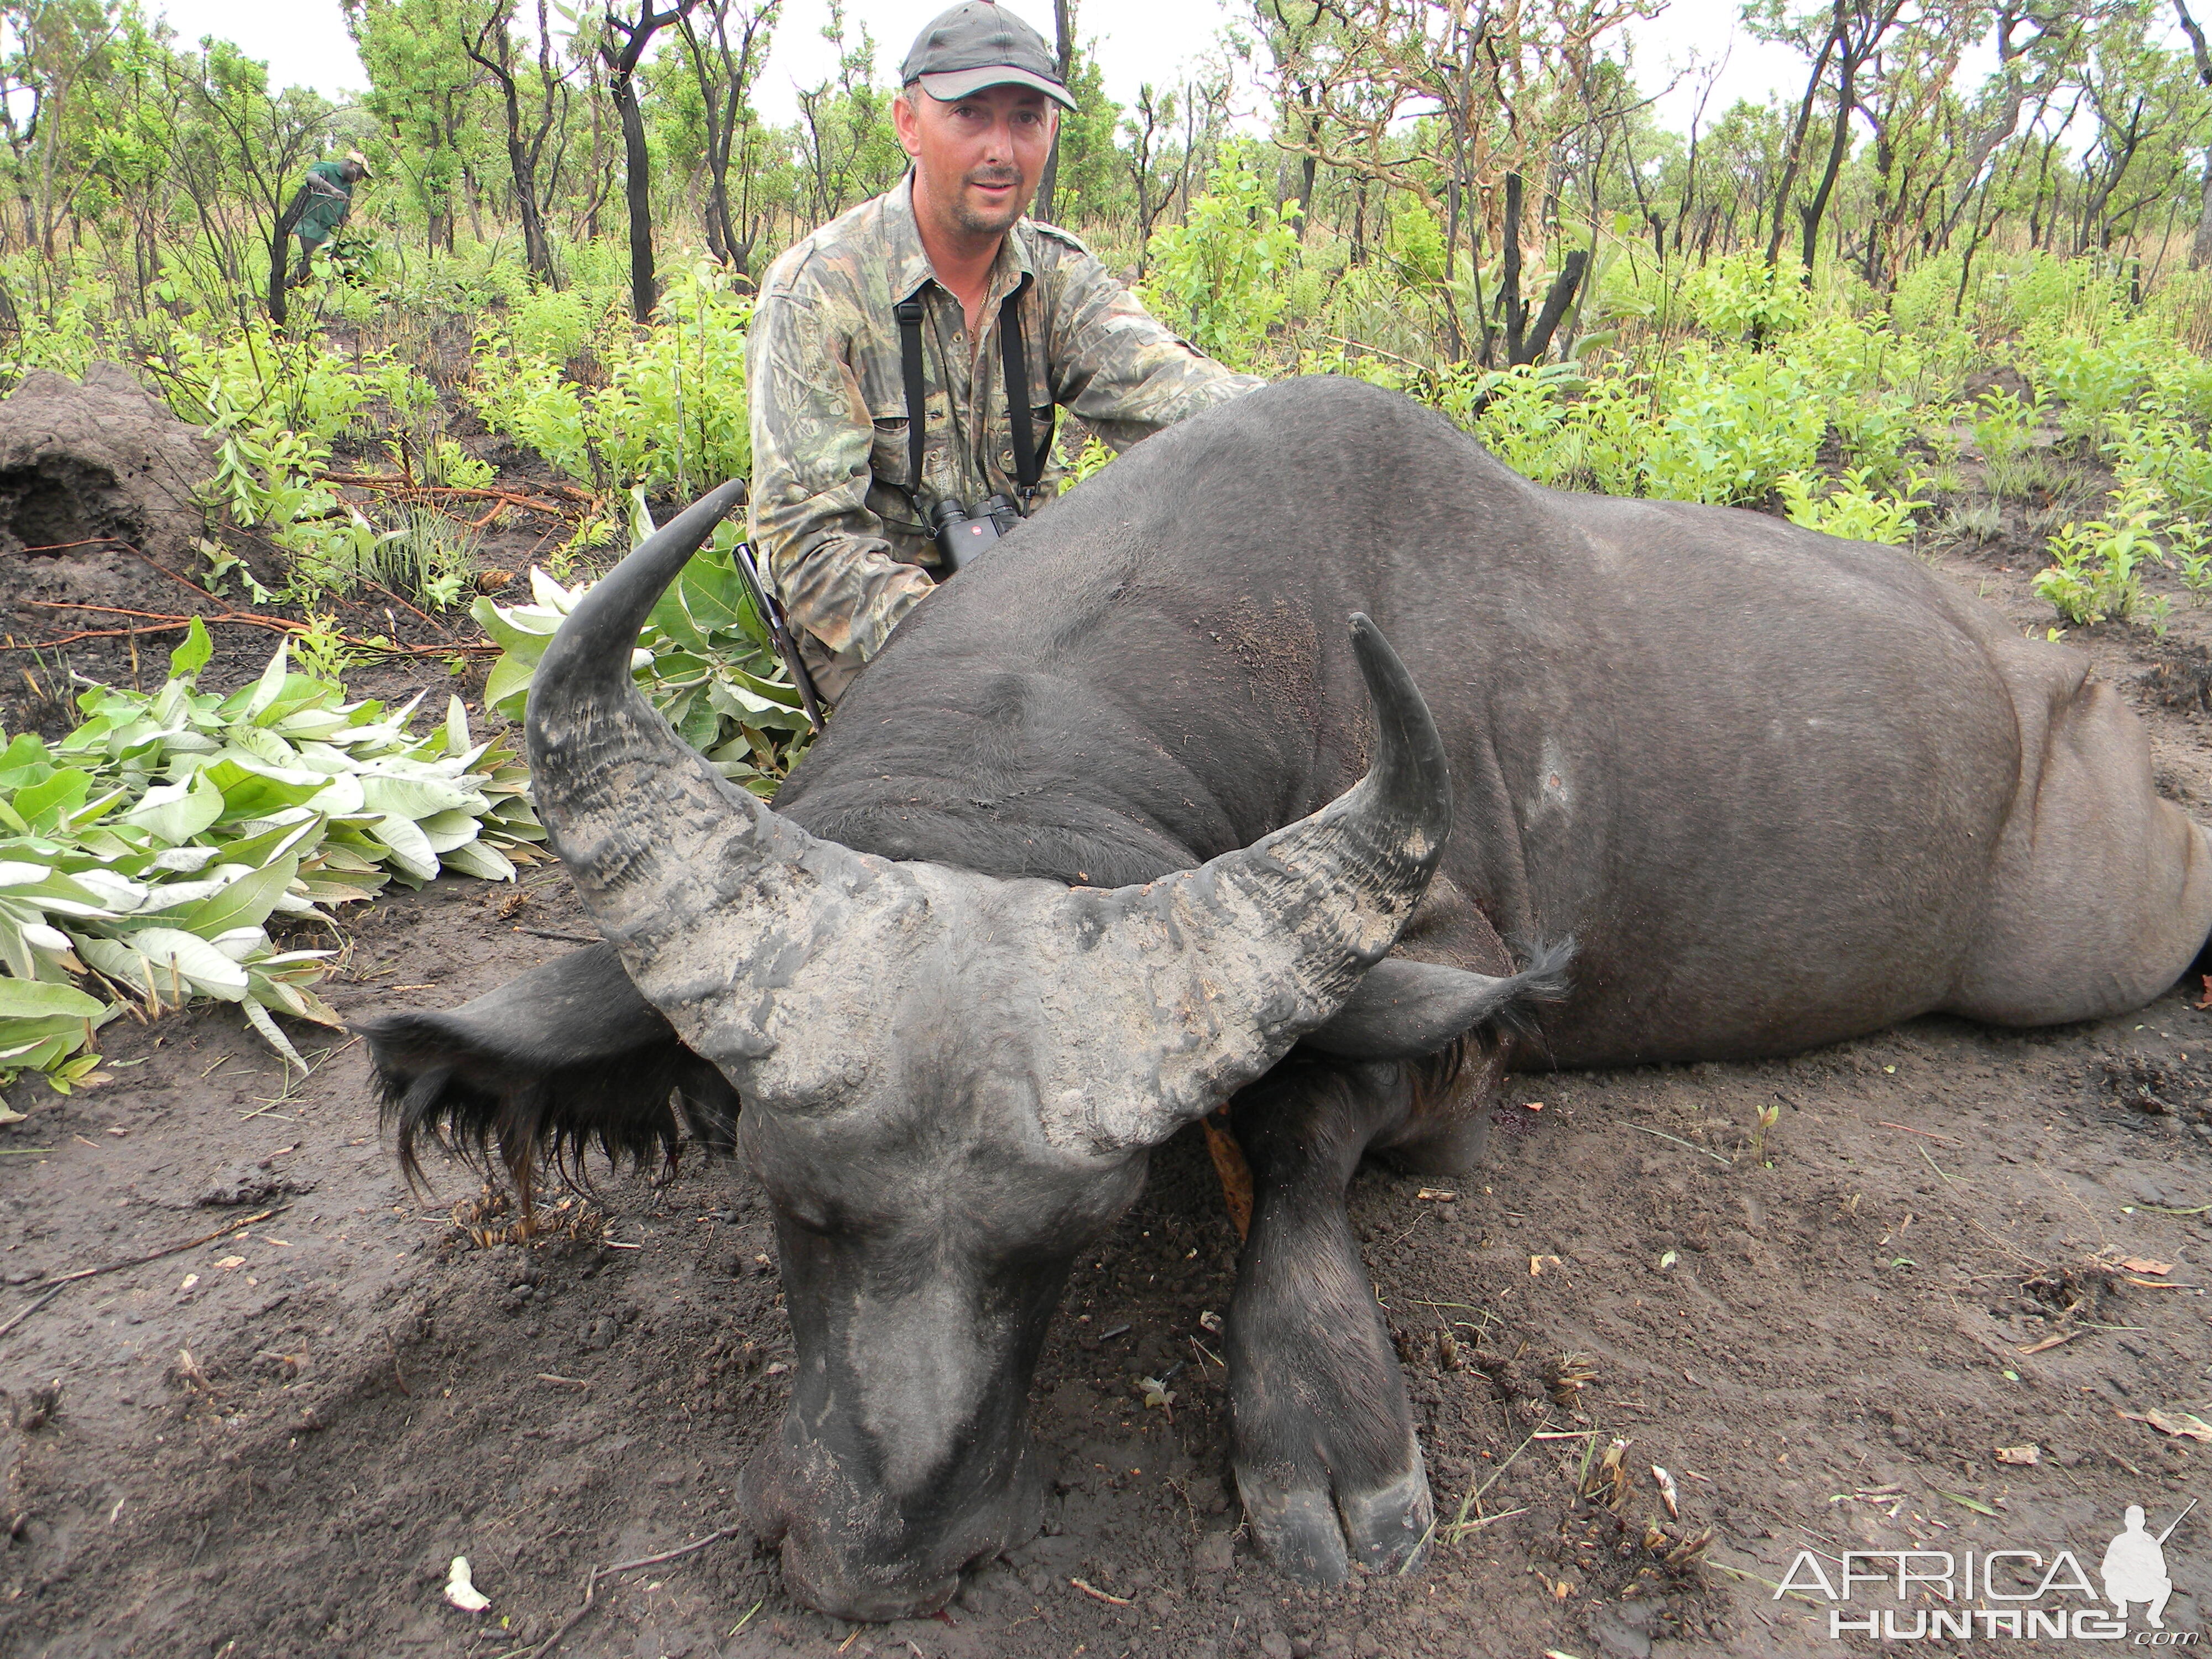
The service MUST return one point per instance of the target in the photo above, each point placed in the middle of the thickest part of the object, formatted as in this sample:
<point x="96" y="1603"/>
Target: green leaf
<point x="40" y="1054"/>
<point x="298" y="693"/>
<point x="777" y="691"/>
<point x="257" y="1016"/>
<point x="672" y="616"/>
<point x="33" y="999"/>
<point x="413" y="798"/>
<point x="177" y="812"/>
<point x="476" y="859"/>
<point x="246" y="902"/>
<point x="506" y="688"/>
<point x="524" y="631"/>
<point x="699" y="722"/>
<point x="172" y="952"/>
<point x="342" y="797"/>
<point x="252" y="790"/>
<point x="271" y="684"/>
<point x="48" y="804"/>
<point x="409" y="847"/>
<point x="740" y="701"/>
<point x="715" y="594"/>
<point x="446" y="831"/>
<point x="24" y="762"/>
<point x="300" y="835"/>
<point x="101" y="895"/>
<point x="188" y="658"/>
<point x="266" y="746"/>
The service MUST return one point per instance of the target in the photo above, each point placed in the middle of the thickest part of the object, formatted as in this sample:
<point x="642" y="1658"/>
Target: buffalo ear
<point x="1404" y="1010"/>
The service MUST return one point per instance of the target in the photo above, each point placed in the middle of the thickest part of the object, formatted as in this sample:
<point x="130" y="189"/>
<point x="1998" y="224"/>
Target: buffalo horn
<point x="659" y="843"/>
<point x="1229" y="964"/>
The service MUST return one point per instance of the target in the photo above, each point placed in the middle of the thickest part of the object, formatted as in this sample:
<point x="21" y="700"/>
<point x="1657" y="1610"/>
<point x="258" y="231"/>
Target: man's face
<point x="977" y="159"/>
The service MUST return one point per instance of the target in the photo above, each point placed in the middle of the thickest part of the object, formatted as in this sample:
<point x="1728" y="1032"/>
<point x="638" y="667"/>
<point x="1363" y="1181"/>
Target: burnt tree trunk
<point x="280" y="249"/>
<point x="725" y="77"/>
<point x="2200" y="246"/>
<point x="622" y="45"/>
<point x="1063" y="20"/>
<point x="1793" y="154"/>
<point x="1838" y="146"/>
<point x="493" y="50"/>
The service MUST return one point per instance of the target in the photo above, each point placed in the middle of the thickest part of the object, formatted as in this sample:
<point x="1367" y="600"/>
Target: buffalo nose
<point x="850" y="1551"/>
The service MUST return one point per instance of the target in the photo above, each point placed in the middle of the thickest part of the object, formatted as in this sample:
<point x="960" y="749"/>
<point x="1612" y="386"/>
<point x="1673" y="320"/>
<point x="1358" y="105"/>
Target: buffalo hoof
<point x="1389" y="1528"/>
<point x="1308" y="1536"/>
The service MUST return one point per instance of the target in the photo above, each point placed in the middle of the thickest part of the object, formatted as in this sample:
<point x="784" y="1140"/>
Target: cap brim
<point x="948" y="85"/>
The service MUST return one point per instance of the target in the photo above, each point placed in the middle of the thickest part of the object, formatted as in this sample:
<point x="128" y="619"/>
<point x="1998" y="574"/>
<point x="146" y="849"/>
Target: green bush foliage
<point x="2096" y="565"/>
<point x="671" y="414"/>
<point x="1220" y="275"/>
<point x="142" y="856"/>
<point x="705" y="658"/>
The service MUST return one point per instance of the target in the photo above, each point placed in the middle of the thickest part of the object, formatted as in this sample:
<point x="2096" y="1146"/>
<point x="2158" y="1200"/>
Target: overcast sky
<point x="304" y="43"/>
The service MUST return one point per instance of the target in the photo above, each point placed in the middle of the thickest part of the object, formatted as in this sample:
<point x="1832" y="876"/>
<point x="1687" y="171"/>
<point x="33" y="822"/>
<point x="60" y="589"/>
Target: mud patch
<point x="2181" y="679"/>
<point x="98" y="461"/>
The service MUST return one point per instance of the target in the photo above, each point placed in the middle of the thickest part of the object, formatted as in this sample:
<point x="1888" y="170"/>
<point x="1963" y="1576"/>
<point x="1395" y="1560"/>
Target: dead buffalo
<point x="1032" y="905"/>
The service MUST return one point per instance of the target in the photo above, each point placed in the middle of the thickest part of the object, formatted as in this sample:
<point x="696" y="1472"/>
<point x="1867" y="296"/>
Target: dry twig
<point x="58" y="1285"/>
<point x="591" y="1583"/>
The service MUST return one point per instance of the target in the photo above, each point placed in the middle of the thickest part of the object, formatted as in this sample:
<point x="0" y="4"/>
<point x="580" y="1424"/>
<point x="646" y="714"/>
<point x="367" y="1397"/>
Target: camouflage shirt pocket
<point x="888" y="456"/>
<point x="891" y="493"/>
<point x="1043" y="434"/>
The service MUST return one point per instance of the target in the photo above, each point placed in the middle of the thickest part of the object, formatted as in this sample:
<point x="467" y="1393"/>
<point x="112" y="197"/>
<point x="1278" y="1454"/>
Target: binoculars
<point x="961" y="537"/>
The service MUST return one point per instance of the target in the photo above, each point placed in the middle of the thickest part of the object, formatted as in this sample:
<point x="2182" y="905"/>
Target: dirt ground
<point x="1951" y="1240"/>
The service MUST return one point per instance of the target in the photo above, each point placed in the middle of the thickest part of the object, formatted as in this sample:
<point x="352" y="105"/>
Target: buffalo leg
<point x="1327" y="1464"/>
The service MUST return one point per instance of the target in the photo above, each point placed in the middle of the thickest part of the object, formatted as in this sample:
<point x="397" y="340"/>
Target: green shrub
<point x="1219" y="276"/>
<point x="2095" y="379"/>
<point x="705" y="658"/>
<point x="672" y="414"/>
<point x="2096" y="571"/>
<point x="2164" y="456"/>
<point x="2005" y="424"/>
<point x="1730" y="425"/>
<point x="142" y="855"/>
<point x="1742" y="296"/>
<point x="1526" y="422"/>
<point x="283" y="380"/>
<point x="1853" y="510"/>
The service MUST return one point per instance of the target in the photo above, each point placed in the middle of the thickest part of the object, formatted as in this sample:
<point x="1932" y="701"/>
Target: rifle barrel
<point x="2178" y="1520"/>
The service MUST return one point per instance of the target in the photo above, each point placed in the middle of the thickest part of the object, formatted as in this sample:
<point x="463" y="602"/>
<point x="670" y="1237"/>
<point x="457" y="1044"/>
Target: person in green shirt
<point x="325" y="198"/>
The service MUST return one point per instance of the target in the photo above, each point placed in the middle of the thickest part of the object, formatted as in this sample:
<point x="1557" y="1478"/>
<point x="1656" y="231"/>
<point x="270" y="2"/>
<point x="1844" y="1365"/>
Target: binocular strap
<point x="1014" y="359"/>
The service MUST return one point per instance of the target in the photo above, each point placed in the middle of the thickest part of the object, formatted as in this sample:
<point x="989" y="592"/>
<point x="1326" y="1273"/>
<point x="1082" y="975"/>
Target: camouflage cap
<point x="978" y="44"/>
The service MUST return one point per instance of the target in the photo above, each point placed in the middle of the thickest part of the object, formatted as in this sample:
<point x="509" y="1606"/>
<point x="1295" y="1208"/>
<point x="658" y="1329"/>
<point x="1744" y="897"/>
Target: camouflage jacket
<point x="839" y="524"/>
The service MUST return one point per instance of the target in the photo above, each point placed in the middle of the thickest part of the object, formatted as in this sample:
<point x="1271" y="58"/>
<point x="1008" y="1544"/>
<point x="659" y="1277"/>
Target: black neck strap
<point x="909" y="313"/>
<point x="1018" y="417"/>
<point x="1014" y="359"/>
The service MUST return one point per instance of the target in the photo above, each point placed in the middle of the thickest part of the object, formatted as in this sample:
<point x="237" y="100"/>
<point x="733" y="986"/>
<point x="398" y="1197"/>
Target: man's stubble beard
<point x="971" y="222"/>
